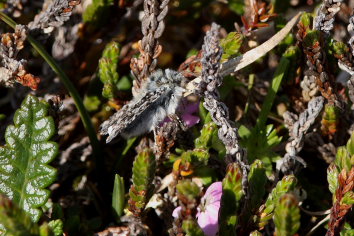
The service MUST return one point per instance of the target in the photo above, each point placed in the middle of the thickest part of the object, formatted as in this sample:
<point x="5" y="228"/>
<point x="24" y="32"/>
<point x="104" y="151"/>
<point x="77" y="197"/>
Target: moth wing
<point x="129" y="113"/>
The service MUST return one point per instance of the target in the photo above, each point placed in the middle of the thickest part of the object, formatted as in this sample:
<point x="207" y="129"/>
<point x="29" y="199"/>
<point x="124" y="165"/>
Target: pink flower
<point x="208" y="211"/>
<point x="188" y="111"/>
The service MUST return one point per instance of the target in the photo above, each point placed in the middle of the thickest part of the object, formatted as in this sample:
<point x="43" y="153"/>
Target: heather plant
<point x="171" y="117"/>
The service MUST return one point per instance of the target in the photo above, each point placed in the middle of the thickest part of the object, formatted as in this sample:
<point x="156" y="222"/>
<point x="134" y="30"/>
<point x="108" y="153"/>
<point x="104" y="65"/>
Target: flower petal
<point x="177" y="212"/>
<point x="207" y="224"/>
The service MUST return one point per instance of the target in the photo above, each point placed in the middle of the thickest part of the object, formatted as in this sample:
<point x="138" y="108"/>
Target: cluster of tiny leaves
<point x="202" y="145"/>
<point x="230" y="201"/>
<point x="142" y="188"/>
<point x="344" y="162"/>
<point x="284" y="186"/>
<point x="231" y="45"/>
<point x="287" y="216"/>
<point x="24" y="169"/>
<point x="260" y="144"/>
<point x="108" y="70"/>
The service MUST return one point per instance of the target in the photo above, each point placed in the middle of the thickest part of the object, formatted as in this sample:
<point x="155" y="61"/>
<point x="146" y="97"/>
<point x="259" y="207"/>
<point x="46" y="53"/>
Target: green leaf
<point x="24" y="169"/>
<point x="306" y="20"/>
<point x="97" y="12"/>
<point x="348" y="198"/>
<point x="287" y="216"/>
<point x="118" y="195"/>
<point x="142" y="188"/>
<point x="206" y="134"/>
<point x="191" y="228"/>
<point x="108" y="74"/>
<point x="230" y="201"/>
<point x="350" y="145"/>
<point x="237" y="6"/>
<point x="231" y="45"/>
<point x="260" y="144"/>
<point x="332" y="178"/>
<point x="92" y="102"/>
<point x="284" y="186"/>
<point x="56" y="227"/>
<point x="347" y="230"/>
<point x="257" y="180"/>
<point x="343" y="159"/>
<point x="14" y="220"/>
<point x="268" y="102"/>
<point x="188" y="189"/>
<point x="124" y="84"/>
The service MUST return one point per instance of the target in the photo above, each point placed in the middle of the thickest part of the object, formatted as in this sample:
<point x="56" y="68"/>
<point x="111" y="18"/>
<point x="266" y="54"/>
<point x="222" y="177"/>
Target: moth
<point x="158" y="98"/>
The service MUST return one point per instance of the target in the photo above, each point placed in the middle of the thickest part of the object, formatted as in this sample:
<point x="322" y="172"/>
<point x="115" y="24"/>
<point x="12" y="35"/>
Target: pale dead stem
<point x="251" y="56"/>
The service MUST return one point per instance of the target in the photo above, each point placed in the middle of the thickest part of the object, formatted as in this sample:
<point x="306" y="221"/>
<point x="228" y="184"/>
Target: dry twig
<point x="325" y="15"/>
<point x="53" y="16"/>
<point x="11" y="69"/>
<point x="152" y="27"/>
<point x="298" y="128"/>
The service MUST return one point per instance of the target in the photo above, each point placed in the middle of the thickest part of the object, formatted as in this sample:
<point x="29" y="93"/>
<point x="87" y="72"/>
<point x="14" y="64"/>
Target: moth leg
<point x="181" y="123"/>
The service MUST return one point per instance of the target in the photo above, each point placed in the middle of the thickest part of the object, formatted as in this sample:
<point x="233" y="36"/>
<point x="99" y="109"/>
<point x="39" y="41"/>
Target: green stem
<point x="67" y="83"/>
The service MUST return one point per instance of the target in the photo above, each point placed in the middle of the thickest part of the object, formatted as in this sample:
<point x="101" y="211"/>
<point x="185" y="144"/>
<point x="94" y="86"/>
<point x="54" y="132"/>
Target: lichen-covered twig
<point x="298" y="128"/>
<point x="11" y="69"/>
<point x="53" y="16"/>
<point x="325" y="15"/>
<point x="152" y="27"/>
<point x="211" y="80"/>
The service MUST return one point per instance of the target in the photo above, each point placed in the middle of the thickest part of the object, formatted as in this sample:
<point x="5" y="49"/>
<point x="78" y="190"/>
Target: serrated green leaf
<point x="287" y="216"/>
<point x="14" y="220"/>
<point x="332" y="178"/>
<point x="118" y="195"/>
<point x="24" y="169"/>
<point x="232" y="194"/>
<point x="191" y="228"/>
